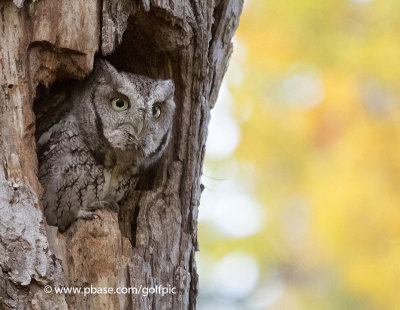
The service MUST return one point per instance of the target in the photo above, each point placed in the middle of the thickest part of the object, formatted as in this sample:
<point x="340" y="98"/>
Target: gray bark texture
<point x="152" y="241"/>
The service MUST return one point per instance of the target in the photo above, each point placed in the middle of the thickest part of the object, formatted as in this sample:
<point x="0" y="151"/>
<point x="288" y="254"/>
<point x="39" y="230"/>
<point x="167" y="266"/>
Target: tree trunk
<point x="152" y="241"/>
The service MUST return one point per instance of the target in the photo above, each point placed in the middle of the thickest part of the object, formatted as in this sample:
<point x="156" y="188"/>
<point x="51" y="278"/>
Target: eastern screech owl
<point x="99" y="136"/>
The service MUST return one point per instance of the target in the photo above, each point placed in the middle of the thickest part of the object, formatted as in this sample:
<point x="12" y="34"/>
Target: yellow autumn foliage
<point x="315" y="86"/>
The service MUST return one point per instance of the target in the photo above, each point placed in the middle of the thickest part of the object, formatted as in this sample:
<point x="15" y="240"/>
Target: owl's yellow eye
<point x="156" y="110"/>
<point x="119" y="104"/>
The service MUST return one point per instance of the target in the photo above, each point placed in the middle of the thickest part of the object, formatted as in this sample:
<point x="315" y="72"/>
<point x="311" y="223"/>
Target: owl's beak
<point x="138" y="126"/>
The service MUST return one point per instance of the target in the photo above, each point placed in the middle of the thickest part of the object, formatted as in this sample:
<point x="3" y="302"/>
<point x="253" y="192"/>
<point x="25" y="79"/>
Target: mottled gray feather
<point x="90" y="153"/>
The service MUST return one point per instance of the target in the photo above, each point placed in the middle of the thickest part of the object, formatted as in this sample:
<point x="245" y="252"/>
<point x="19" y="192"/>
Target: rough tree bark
<point x="152" y="241"/>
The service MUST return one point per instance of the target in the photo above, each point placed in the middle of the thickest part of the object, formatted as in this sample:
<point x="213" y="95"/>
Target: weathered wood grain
<point x="153" y="239"/>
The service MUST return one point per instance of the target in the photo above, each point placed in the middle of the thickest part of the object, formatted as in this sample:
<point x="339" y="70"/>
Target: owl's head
<point x="133" y="112"/>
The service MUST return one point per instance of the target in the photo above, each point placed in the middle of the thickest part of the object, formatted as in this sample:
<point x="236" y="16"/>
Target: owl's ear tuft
<point x="104" y="70"/>
<point x="169" y="86"/>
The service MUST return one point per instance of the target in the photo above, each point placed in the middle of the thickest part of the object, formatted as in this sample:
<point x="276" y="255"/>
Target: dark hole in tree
<point x="142" y="52"/>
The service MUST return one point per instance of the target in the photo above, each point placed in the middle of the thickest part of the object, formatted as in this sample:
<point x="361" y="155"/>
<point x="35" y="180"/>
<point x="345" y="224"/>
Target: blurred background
<point x="301" y="207"/>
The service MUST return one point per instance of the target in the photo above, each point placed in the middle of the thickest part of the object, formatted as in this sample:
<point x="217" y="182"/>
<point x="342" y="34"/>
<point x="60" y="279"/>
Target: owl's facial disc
<point x="132" y="129"/>
<point x="126" y="131"/>
<point x="125" y="136"/>
<point x="131" y="126"/>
